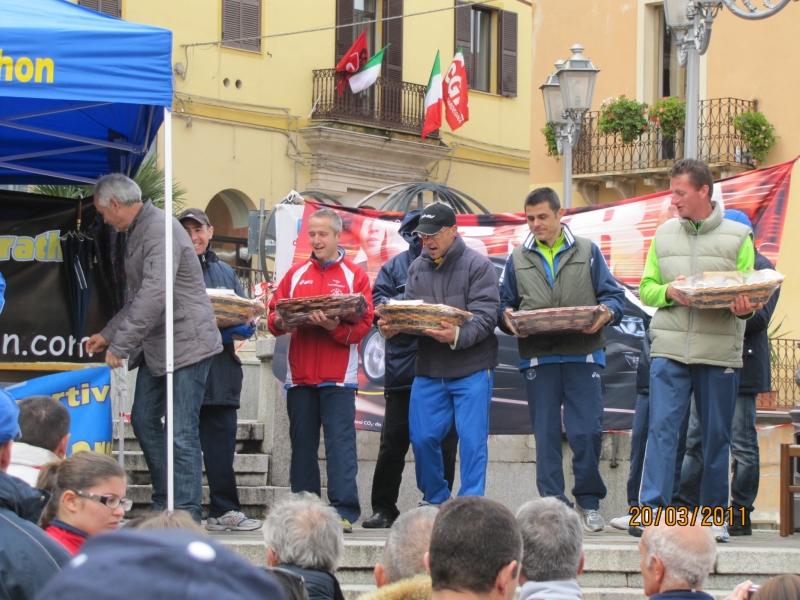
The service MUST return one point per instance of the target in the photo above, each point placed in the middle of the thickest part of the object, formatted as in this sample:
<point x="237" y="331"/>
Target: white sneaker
<point x="592" y="521"/>
<point x="721" y="534"/>
<point x="232" y="521"/>
<point x="621" y="523"/>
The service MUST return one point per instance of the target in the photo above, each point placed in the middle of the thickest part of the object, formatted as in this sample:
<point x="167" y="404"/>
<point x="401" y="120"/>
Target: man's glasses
<point x="110" y="500"/>
<point x="432" y="236"/>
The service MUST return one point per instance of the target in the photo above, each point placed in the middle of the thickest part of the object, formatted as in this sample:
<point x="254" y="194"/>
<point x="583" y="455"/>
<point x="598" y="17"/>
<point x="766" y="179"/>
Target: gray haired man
<point x="552" y="557"/>
<point x="676" y="561"/>
<point x="138" y="332"/>
<point x="304" y="536"/>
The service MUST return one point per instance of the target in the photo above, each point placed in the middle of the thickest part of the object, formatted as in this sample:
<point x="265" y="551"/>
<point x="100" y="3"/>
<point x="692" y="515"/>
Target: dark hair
<point x="782" y="587"/>
<point x="43" y="422"/>
<point x="541" y="195"/>
<point x="473" y="539"/>
<point x="79" y="472"/>
<point x="698" y="172"/>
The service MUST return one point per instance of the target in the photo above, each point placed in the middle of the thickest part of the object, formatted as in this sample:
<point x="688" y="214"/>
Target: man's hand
<point x="601" y="322"/>
<point x="96" y="344"/>
<point x="741" y="306"/>
<point x="318" y="318"/>
<point x="112" y="361"/>
<point x="741" y="591"/>
<point x="387" y="331"/>
<point x="507" y="320"/>
<point x="676" y="295"/>
<point x="281" y="325"/>
<point x="445" y="335"/>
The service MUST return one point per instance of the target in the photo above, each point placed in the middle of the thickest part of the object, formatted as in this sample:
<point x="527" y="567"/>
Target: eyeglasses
<point x="110" y="500"/>
<point x="425" y="236"/>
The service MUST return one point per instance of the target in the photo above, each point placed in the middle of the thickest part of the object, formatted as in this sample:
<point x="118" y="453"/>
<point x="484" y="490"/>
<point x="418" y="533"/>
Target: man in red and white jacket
<point x="322" y="373"/>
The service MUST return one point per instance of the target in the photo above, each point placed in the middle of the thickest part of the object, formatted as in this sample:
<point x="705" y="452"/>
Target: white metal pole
<point x="567" y="193"/>
<point x="170" y="326"/>
<point x="692" y="101"/>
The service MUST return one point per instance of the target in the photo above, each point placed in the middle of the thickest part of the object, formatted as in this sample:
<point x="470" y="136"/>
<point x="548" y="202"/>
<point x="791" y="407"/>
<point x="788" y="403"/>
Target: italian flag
<point x="368" y="74"/>
<point x="433" y="100"/>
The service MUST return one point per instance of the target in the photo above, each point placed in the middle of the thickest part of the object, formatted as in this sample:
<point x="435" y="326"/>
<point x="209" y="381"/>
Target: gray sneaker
<point x="592" y="521"/>
<point x="720" y="533"/>
<point x="232" y="521"/>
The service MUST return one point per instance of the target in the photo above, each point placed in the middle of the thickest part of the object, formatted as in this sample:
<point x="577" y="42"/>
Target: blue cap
<point x="9" y="417"/>
<point x="736" y="215"/>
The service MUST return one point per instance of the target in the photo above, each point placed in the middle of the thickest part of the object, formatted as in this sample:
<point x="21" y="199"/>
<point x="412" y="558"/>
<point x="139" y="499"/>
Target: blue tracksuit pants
<point x="435" y="402"/>
<point x="671" y="386"/>
<point x="577" y="387"/>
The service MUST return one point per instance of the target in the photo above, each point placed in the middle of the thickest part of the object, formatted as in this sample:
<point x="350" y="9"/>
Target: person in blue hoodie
<point x="554" y="268"/>
<point x="400" y="358"/>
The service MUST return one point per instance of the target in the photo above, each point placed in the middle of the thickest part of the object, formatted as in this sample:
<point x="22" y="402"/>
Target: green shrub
<point x="669" y="115"/>
<point x="623" y="116"/>
<point x="758" y="134"/>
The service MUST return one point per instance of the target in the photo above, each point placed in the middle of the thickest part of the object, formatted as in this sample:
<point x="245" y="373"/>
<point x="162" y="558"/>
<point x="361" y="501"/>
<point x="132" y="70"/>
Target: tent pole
<point x="170" y="326"/>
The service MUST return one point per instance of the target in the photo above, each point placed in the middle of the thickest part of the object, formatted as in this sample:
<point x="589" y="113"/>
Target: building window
<point x="487" y="35"/>
<point x="359" y="13"/>
<point x="364" y="11"/>
<point x="107" y="7"/>
<point x="671" y="77"/>
<point x="241" y="19"/>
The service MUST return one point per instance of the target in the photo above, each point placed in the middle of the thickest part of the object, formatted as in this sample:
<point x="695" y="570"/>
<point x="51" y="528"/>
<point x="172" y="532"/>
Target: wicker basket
<point x="415" y="316"/>
<point x="232" y="310"/>
<point x="556" y="320"/>
<point x="717" y="289"/>
<point x="296" y="312"/>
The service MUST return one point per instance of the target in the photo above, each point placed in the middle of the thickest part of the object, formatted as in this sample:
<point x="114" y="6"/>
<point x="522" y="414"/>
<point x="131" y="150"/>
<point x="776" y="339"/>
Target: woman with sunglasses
<point x="88" y="497"/>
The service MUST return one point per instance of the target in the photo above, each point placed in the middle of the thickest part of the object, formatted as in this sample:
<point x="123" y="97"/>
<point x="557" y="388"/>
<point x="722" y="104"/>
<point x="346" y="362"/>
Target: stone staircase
<point x="611" y="566"/>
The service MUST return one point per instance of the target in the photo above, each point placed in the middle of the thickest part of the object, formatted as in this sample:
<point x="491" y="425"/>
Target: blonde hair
<point x="178" y="519"/>
<point x="79" y="472"/>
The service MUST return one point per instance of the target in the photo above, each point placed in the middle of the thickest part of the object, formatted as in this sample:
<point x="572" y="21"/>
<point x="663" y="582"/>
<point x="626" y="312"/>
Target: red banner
<point x="623" y="231"/>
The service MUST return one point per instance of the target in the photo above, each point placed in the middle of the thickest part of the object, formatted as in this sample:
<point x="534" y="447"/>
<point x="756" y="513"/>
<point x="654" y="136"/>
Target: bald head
<point x="677" y="557"/>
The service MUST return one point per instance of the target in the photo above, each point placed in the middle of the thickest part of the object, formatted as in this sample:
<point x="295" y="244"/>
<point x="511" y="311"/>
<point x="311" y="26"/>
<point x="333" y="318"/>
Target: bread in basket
<point x="415" y="316"/>
<point x="296" y="312"/>
<point x="717" y="289"/>
<point x="569" y="319"/>
<point x="232" y="310"/>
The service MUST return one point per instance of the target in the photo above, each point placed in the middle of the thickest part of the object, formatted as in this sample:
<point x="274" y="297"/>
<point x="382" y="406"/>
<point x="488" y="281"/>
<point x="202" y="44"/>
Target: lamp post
<point x="690" y="23"/>
<point x="567" y="96"/>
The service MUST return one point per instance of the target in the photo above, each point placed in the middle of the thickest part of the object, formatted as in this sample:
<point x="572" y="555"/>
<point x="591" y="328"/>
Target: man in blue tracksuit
<point x="218" y="414"/>
<point x="454" y="367"/>
<point x="553" y="268"/>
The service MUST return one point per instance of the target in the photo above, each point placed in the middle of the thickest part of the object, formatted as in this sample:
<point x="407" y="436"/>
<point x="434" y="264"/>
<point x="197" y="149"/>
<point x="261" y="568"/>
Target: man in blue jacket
<point x="401" y="354"/>
<point x="218" y="415"/>
<point x="553" y="268"/>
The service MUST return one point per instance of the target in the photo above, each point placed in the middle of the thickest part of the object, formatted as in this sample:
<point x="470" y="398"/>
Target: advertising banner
<point x="87" y="395"/>
<point x="623" y="231"/>
<point x="36" y="321"/>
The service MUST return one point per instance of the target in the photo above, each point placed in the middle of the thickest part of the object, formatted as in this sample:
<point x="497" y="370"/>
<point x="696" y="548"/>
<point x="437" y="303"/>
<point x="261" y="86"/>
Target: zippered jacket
<point x="316" y="356"/>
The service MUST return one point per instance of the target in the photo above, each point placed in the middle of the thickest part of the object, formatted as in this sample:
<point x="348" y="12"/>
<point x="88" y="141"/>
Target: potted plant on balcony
<point x="623" y="116"/>
<point x="550" y="141"/>
<point x="757" y="135"/>
<point x="669" y="116"/>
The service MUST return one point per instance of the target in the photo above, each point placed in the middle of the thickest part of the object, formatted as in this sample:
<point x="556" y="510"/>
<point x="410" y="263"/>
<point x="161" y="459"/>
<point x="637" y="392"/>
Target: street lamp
<point x="567" y="96"/>
<point x="690" y="22"/>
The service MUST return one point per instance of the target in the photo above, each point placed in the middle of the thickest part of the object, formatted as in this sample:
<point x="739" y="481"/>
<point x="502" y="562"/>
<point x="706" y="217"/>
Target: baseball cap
<point x="196" y="214"/>
<point x="736" y="215"/>
<point x="434" y="217"/>
<point x="166" y="564"/>
<point x="9" y="417"/>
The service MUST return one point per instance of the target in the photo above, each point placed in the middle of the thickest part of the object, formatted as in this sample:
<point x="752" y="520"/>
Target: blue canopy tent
<point x="83" y="94"/>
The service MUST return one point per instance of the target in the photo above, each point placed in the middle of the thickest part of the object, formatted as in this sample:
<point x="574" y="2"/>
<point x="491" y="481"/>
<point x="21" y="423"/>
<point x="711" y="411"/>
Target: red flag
<point x="355" y="58"/>
<point x="454" y="92"/>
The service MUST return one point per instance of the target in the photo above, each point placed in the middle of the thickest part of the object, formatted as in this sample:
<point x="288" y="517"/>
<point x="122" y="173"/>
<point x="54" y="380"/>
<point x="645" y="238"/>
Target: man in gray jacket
<point x="454" y="368"/>
<point x="138" y="333"/>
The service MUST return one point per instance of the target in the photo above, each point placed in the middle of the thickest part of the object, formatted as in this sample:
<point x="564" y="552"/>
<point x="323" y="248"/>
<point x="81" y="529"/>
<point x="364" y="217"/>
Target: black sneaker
<point x="635" y="531"/>
<point x="737" y="530"/>
<point x="379" y="520"/>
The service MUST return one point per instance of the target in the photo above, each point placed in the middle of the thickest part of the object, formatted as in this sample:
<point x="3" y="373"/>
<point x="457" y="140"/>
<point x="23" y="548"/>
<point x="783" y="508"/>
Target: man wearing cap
<point x="218" y="415"/>
<point x="693" y="351"/>
<point x="454" y="366"/>
<point x="28" y="556"/>
<point x="554" y="268"/>
<point x="138" y="332"/>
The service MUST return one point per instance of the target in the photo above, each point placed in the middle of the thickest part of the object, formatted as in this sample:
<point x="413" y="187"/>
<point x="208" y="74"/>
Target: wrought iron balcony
<point x="388" y="104"/>
<point x="719" y="144"/>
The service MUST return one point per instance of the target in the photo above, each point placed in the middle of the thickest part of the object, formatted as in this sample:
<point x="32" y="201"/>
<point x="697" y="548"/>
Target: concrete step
<point x="248" y="433"/>
<point x="251" y="469"/>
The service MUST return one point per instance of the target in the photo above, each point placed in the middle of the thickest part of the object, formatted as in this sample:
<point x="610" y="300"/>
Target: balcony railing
<point x="388" y="104"/>
<point x="784" y="360"/>
<point x="718" y="143"/>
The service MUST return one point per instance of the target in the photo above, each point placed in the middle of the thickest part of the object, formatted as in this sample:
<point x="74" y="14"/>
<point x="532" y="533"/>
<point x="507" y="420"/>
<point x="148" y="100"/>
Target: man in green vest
<point x="693" y="350"/>
<point x="553" y="268"/>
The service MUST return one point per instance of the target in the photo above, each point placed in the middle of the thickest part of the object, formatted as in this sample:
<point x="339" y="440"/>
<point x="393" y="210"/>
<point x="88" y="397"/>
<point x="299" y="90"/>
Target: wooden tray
<point x="718" y="289"/>
<point x="414" y="317"/>
<point x="295" y="312"/>
<point x="232" y="310"/>
<point x="569" y="319"/>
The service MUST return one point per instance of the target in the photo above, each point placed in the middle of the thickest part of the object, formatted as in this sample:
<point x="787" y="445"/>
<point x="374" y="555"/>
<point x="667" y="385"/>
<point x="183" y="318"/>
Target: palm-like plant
<point x="150" y="180"/>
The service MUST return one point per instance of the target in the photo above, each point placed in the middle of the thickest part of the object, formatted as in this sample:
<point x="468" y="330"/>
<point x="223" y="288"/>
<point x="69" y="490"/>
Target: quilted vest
<point x="572" y="287"/>
<point x="692" y="335"/>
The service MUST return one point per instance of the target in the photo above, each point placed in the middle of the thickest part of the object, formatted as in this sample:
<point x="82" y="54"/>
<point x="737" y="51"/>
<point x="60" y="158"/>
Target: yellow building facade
<point x="628" y="42"/>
